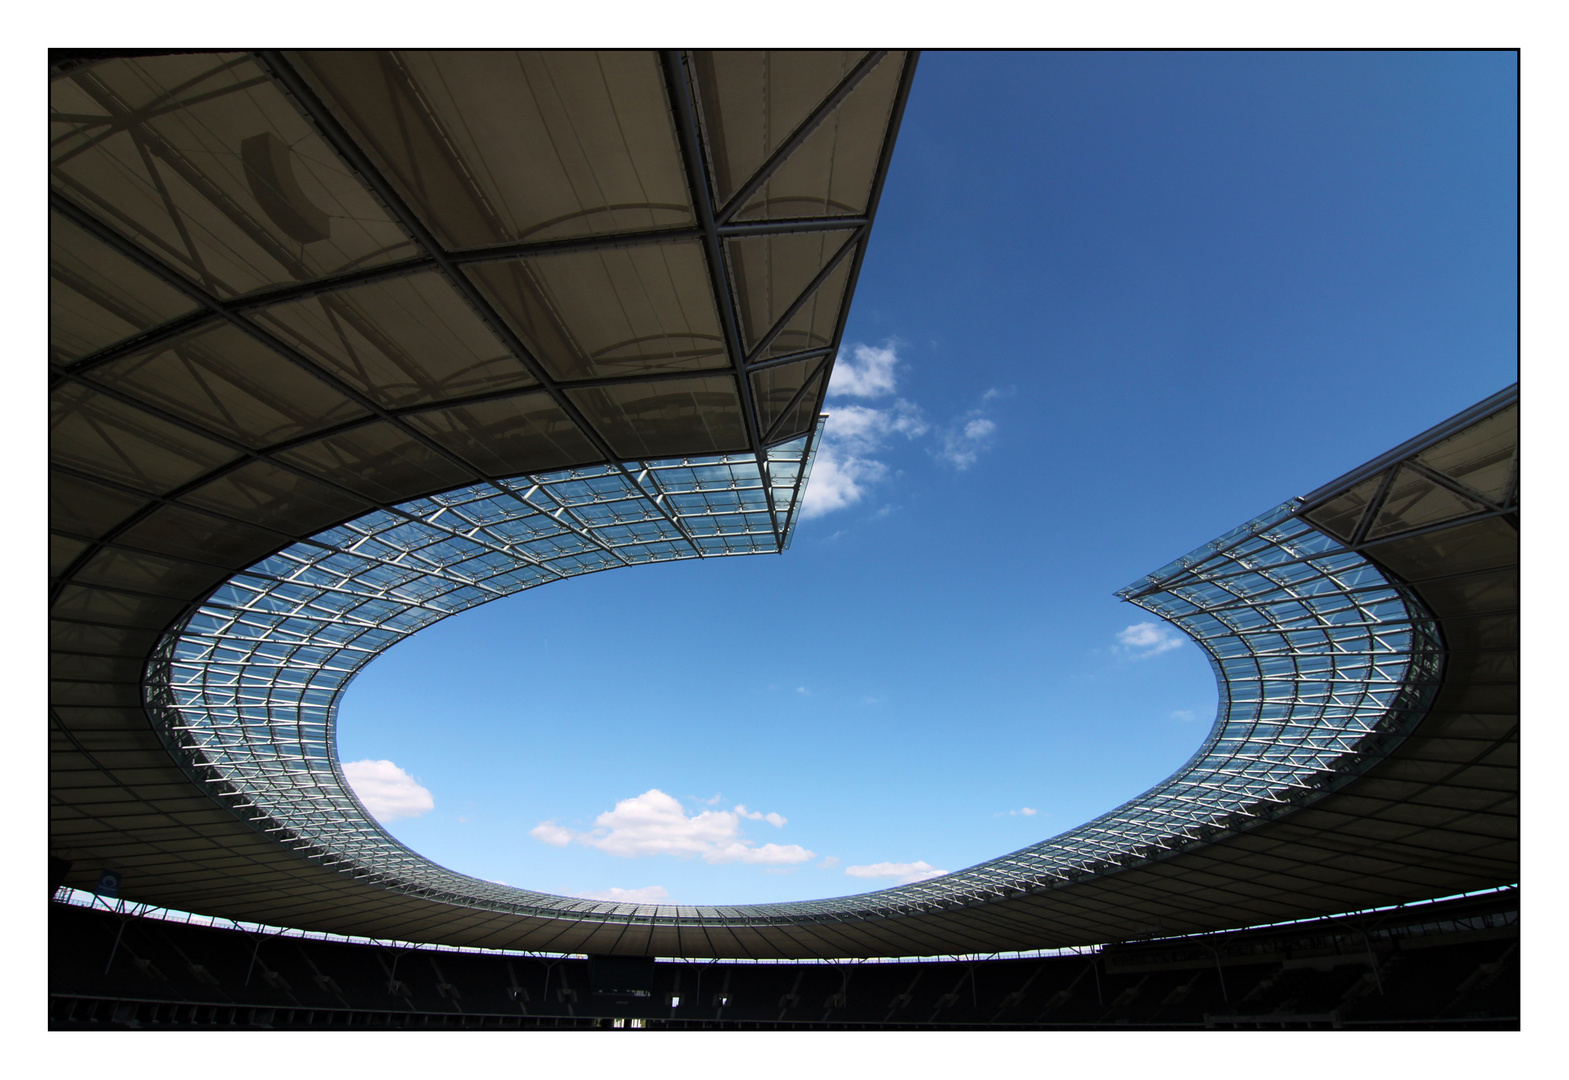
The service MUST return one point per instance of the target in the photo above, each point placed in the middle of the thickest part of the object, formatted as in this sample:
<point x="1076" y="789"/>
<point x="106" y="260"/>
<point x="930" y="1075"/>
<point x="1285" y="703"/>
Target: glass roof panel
<point x="1294" y="708"/>
<point x="251" y="677"/>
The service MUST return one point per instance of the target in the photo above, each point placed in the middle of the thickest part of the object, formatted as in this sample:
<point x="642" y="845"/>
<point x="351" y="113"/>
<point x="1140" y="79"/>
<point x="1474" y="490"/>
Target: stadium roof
<point x="342" y="343"/>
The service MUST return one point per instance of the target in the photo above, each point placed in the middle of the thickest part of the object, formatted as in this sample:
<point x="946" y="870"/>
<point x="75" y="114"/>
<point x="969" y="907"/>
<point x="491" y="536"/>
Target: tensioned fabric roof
<point x="344" y="342"/>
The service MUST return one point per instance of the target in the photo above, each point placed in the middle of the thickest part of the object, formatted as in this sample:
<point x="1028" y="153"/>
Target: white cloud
<point x="965" y="438"/>
<point x="848" y="461"/>
<point x="552" y="834"/>
<point x="861" y="429"/>
<point x="1148" y="639"/>
<point x="844" y="466"/>
<point x="768" y="854"/>
<point x="830" y="862"/>
<point x="776" y="820"/>
<point x="907" y="872"/>
<point x="648" y="894"/>
<point x="1185" y="715"/>
<point x="836" y="483"/>
<point x="654" y="823"/>
<point x="867" y="372"/>
<point x="387" y="791"/>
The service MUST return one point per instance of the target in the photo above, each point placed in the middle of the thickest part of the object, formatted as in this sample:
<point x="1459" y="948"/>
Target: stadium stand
<point x="1449" y="964"/>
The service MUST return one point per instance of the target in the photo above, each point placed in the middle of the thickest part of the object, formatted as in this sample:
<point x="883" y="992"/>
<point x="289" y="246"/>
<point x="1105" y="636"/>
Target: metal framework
<point x="1323" y="662"/>
<point x="769" y="364"/>
<point x="345" y="342"/>
<point x="246" y="689"/>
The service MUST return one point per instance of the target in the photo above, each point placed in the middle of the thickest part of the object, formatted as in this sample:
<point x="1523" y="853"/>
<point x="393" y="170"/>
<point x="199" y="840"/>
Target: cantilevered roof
<point x="344" y="343"/>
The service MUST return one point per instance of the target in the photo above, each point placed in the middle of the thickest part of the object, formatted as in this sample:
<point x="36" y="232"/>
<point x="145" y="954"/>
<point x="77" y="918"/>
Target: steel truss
<point x="246" y="688"/>
<point x="180" y="267"/>
<point x="1323" y="662"/>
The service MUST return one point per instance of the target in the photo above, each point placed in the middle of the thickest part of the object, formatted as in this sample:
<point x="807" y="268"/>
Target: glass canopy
<point x="1323" y="661"/>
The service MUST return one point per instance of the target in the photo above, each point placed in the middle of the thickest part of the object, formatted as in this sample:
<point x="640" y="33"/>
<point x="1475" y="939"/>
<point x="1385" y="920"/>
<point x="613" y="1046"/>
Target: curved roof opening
<point x="343" y="344"/>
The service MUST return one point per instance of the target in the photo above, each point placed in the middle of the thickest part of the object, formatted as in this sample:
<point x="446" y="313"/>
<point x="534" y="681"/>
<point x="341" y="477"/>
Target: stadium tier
<point x="1449" y="965"/>
<point x="345" y="342"/>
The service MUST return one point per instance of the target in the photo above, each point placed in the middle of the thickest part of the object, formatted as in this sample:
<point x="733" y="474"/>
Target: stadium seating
<point x="1450" y="964"/>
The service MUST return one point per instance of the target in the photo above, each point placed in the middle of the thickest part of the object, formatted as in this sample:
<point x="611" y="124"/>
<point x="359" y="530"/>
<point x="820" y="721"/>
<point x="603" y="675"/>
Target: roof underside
<point x="293" y="290"/>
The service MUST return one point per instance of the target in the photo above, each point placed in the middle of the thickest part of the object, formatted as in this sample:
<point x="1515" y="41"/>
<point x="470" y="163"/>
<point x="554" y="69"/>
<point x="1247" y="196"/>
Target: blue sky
<point x="1114" y="305"/>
